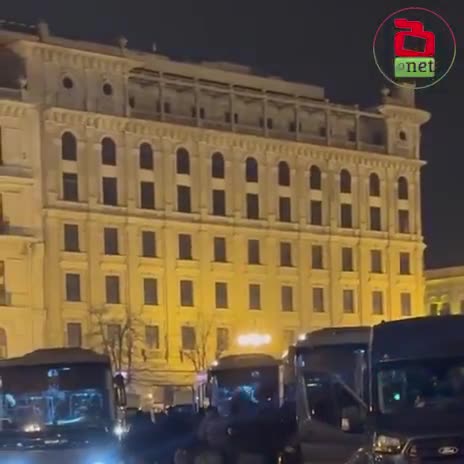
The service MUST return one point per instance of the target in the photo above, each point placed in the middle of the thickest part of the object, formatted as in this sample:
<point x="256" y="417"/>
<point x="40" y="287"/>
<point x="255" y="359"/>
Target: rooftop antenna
<point x="154" y="48"/>
<point x="43" y="30"/>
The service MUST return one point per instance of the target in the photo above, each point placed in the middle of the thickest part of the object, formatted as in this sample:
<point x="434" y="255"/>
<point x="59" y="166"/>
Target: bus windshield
<point x="33" y="398"/>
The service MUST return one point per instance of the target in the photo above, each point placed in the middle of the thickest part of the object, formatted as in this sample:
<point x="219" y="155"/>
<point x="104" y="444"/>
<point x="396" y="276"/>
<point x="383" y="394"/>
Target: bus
<point x="60" y="405"/>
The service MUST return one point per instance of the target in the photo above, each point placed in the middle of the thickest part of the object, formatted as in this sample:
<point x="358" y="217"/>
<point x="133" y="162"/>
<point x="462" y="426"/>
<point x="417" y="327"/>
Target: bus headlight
<point x="32" y="428"/>
<point x="384" y="444"/>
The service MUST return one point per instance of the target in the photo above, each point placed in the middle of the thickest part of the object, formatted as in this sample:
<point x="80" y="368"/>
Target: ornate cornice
<point x="13" y="109"/>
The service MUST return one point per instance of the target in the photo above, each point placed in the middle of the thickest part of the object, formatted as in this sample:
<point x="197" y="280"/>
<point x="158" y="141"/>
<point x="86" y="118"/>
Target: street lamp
<point x="254" y="340"/>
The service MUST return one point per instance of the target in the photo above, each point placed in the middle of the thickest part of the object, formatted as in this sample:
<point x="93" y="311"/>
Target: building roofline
<point x="444" y="272"/>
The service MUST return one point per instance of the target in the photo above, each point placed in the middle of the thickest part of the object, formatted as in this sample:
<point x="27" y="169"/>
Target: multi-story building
<point x="196" y="202"/>
<point x="444" y="292"/>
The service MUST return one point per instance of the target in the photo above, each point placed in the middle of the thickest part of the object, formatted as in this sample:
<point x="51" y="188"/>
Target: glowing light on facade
<point x="254" y="339"/>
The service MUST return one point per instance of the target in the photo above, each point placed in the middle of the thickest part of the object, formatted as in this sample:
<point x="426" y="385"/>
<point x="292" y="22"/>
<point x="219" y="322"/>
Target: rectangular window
<point x="286" y="298"/>
<point x="318" y="300"/>
<point x="347" y="259"/>
<point x="405" y="265"/>
<point x="110" y="191"/>
<point x="286" y="254"/>
<point x="406" y="309"/>
<point x="183" y="199"/>
<point x="403" y="221"/>
<point x="110" y="236"/>
<point x="185" y="246"/>
<point x="285" y="209"/>
<point x="316" y="213"/>
<point x="71" y="237"/>
<point x="152" y="338"/>
<point x="222" y="339"/>
<point x="253" y="252"/>
<point x="148" y="244"/>
<point x="348" y="301"/>
<point x="188" y="335"/>
<point x="377" y="302"/>
<point x="434" y="309"/>
<point x="221" y="295"/>
<point x="317" y="257"/>
<point x="254" y="296"/>
<point x="112" y="289"/>
<point x="70" y="187"/>
<point x="73" y="287"/>
<point x="186" y="293"/>
<point x="376" y="261"/>
<point x="219" y="203"/>
<point x="252" y="206"/>
<point x="114" y="334"/>
<point x="220" y="252"/>
<point x="150" y="291"/>
<point x="375" y="218"/>
<point x="74" y="334"/>
<point x="147" y="195"/>
<point x="346" y="216"/>
<point x="461" y="306"/>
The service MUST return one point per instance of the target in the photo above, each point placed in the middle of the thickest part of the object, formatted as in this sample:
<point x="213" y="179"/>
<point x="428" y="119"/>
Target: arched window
<point x="345" y="181"/>
<point x="3" y="344"/>
<point x="108" y="151"/>
<point x="145" y="156"/>
<point x="68" y="147"/>
<point x="251" y="170"/>
<point x="315" y="181"/>
<point x="284" y="174"/>
<point x="182" y="161"/>
<point x="374" y="185"/>
<point x="217" y="166"/>
<point x="403" y="193"/>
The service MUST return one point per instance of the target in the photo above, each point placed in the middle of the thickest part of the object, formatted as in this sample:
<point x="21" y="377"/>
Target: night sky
<point x="325" y="42"/>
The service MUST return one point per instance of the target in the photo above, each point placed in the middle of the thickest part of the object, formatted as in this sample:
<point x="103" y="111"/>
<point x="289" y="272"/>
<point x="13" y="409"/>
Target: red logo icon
<point x="412" y="29"/>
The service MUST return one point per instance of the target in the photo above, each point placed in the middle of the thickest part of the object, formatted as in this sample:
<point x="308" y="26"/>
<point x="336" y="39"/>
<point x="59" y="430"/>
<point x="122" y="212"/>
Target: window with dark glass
<point x="375" y="218"/>
<point x="405" y="264"/>
<point x="185" y="246"/>
<point x="348" y="300"/>
<point x="221" y="295"/>
<point x="286" y="254"/>
<point x="219" y="203"/>
<point x="150" y="291"/>
<point x="220" y="252"/>
<point x="217" y="166"/>
<point x="317" y="257"/>
<point x="188" y="336"/>
<point x="108" y="152"/>
<point x="252" y="205"/>
<point x="403" y="221"/>
<point x="346" y="213"/>
<point x="70" y="187"/>
<point x="377" y="302"/>
<point x="318" y="300"/>
<point x="182" y="161"/>
<point x="445" y="309"/>
<point x="183" y="199"/>
<point x="110" y="191"/>
<point x="406" y="308"/>
<point x="376" y="261"/>
<point x="222" y="339"/>
<point x="71" y="237"/>
<point x="286" y="298"/>
<point x="147" y="195"/>
<point x="110" y="238"/>
<point x="347" y="259"/>
<point x="315" y="178"/>
<point x="68" y="147"/>
<point x="284" y="174"/>
<point x="403" y="193"/>
<point x="112" y="289"/>
<point x="345" y="181"/>
<point x="254" y="296"/>
<point x="186" y="293"/>
<point x="73" y="287"/>
<point x="253" y="252"/>
<point x="74" y="334"/>
<point x="152" y="337"/>
<point x="285" y="209"/>
<point x="251" y="170"/>
<point x="374" y="185"/>
<point x="146" y="156"/>
<point x="316" y="212"/>
<point x="148" y="244"/>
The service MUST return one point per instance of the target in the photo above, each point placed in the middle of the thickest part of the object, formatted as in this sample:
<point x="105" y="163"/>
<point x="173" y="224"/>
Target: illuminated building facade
<point x="201" y="200"/>
<point x="444" y="291"/>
